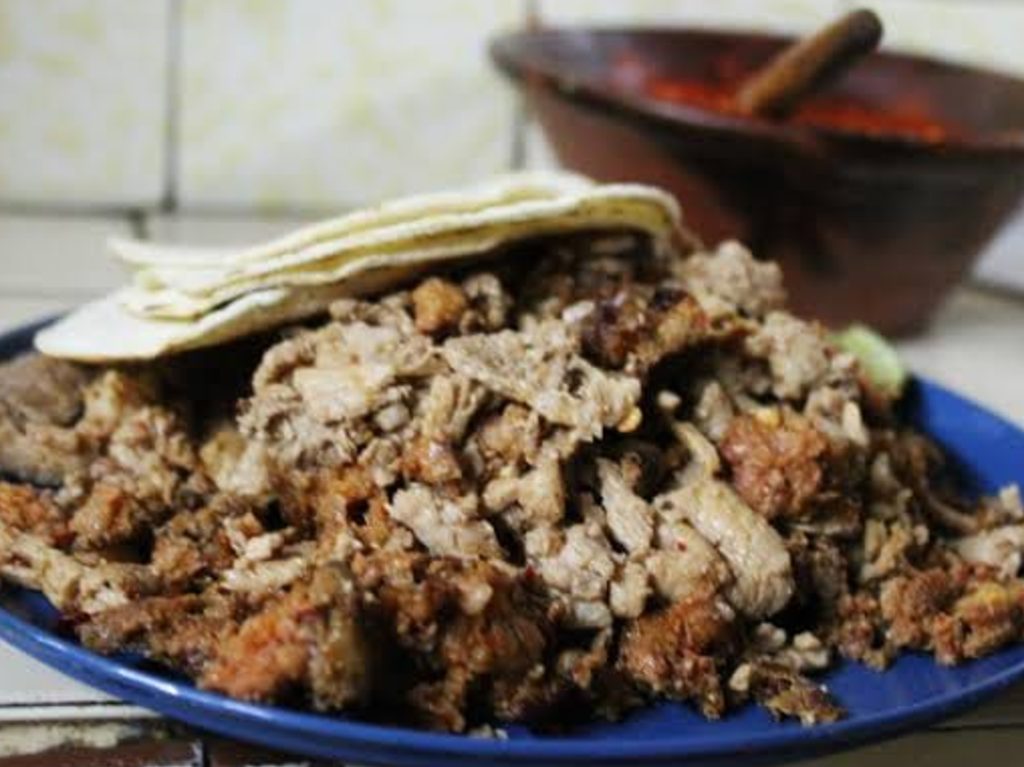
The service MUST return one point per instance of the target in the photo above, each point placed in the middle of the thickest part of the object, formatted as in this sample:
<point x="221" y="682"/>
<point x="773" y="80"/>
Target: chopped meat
<point x="27" y="510"/>
<point x="184" y="630"/>
<point x="673" y="652"/>
<point x="315" y="394"/>
<point x="630" y="518"/>
<point x="578" y="566"/>
<point x="538" y="495"/>
<point x="471" y="620"/>
<point x="438" y="305"/>
<point x="633" y="331"/>
<point x="777" y="460"/>
<point x="796" y="351"/>
<point x="40" y="400"/>
<point x="714" y="411"/>
<point x="542" y="493"/>
<point x="731" y="279"/>
<point x="149" y="455"/>
<point x="542" y="369"/>
<point x="234" y="464"/>
<point x="510" y="437"/>
<point x="786" y="693"/>
<point x="489" y="304"/>
<point x="194" y="546"/>
<point x="447" y="527"/>
<point x="627" y="595"/>
<point x="755" y="552"/>
<point x="309" y="641"/>
<point x="448" y="407"/>
<point x="684" y="562"/>
<point x="1001" y="548"/>
<point x="72" y="585"/>
<point x="952" y="613"/>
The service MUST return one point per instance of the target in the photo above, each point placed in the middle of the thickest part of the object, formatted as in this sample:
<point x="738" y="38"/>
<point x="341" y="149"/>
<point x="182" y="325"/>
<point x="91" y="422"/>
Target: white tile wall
<point x="770" y="15"/>
<point x="335" y="102"/>
<point x="205" y="229"/>
<point x="56" y="256"/>
<point x="82" y="100"/>
<point x="324" y="104"/>
<point x="986" y="33"/>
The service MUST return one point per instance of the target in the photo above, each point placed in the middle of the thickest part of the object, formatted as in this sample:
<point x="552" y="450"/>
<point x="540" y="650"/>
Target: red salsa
<point x="908" y="118"/>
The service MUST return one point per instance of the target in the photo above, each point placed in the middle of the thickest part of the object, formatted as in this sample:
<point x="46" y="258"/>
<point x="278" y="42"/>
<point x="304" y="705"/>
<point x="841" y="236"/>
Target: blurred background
<point x="310" y="106"/>
<point x="274" y="105"/>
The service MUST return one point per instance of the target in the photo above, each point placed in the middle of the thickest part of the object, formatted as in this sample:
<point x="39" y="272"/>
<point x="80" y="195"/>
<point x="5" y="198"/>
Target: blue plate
<point x="914" y="692"/>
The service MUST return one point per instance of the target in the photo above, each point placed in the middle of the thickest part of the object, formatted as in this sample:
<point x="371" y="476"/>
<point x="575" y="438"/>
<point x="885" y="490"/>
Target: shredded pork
<point x="549" y="487"/>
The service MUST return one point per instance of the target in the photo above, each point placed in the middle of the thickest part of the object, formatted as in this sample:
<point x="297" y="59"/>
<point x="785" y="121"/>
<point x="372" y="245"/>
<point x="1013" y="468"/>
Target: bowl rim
<point x="508" y="54"/>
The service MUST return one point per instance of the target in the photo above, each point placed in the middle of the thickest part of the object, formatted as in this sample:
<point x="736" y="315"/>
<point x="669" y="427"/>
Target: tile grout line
<point x="172" y="107"/>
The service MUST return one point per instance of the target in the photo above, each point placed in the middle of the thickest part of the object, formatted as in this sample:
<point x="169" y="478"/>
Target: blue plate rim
<point x="168" y="696"/>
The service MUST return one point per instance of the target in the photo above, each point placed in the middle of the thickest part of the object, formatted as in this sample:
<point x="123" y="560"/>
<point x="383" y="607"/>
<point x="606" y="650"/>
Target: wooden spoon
<point x="806" y="66"/>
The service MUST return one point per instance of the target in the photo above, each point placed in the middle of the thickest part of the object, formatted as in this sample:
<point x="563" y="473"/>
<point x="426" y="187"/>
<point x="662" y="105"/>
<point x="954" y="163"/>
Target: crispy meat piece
<point x="40" y="401"/>
<point x="731" y="279"/>
<point x="471" y="626"/>
<point x="309" y="642"/>
<point x="27" y="510"/>
<point x="438" y="305"/>
<point x="677" y="652"/>
<point x="316" y="395"/>
<point x="184" y="631"/>
<point x="73" y="585"/>
<point x="787" y="693"/>
<point x="957" y="613"/>
<point x="139" y="483"/>
<point x="194" y="546"/>
<point x="635" y="329"/>
<point x="859" y="631"/>
<point x="777" y="460"/>
<point x="543" y="369"/>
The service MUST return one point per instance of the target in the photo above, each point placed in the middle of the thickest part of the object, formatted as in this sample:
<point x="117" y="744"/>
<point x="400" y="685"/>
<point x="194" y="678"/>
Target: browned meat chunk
<point x="471" y="623"/>
<point x="185" y="631"/>
<point x="635" y="331"/>
<point x="31" y="511"/>
<point x="955" y="613"/>
<point x="789" y="694"/>
<point x="40" y="401"/>
<point x="438" y="305"/>
<point x="677" y="652"/>
<point x="777" y="460"/>
<point x="309" y="642"/>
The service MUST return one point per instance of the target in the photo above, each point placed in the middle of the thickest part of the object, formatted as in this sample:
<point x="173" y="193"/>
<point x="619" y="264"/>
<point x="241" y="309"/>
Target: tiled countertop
<point x="47" y="264"/>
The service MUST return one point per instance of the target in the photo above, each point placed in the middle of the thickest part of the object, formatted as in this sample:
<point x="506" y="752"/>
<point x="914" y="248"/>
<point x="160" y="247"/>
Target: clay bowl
<point x="875" y="228"/>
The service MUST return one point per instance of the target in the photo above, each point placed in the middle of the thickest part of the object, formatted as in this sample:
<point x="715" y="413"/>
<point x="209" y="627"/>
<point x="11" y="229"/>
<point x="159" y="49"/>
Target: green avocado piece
<point x="881" y="364"/>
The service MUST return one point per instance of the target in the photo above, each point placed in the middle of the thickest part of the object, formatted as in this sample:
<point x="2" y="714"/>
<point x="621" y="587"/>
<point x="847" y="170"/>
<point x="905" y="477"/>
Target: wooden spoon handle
<point x="777" y="88"/>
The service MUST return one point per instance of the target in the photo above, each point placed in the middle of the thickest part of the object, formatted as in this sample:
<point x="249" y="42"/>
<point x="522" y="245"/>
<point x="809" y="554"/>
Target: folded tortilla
<point x="506" y="189"/>
<point x="248" y="295"/>
<point x="170" y="293"/>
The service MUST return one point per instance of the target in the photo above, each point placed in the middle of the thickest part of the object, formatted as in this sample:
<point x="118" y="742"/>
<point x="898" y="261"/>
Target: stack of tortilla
<point x="184" y="298"/>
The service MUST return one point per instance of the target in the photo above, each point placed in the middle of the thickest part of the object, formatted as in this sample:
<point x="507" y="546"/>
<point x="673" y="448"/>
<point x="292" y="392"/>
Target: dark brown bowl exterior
<point x="867" y="229"/>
